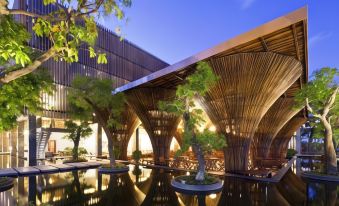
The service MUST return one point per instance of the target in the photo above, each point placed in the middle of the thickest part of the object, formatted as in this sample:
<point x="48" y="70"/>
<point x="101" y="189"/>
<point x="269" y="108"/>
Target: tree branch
<point x="19" y="11"/>
<point x="309" y="108"/>
<point x="330" y="102"/>
<point x="10" y="76"/>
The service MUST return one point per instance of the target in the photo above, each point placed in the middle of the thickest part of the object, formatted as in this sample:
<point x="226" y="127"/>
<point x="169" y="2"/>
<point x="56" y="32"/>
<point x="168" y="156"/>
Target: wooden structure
<point x="249" y="85"/>
<point x="129" y="122"/>
<point x="279" y="145"/>
<point x="159" y="125"/>
<point x="275" y="118"/>
<point x="256" y="69"/>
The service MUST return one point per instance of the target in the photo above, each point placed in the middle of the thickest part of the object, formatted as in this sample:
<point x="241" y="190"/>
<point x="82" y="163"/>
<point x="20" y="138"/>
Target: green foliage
<point x="318" y="92"/>
<point x="290" y="153"/>
<point x="197" y="84"/>
<point x="68" y="29"/>
<point x="136" y="155"/>
<point x="13" y="42"/>
<point x="23" y="93"/>
<point x="77" y="131"/>
<point x="319" y="89"/>
<point x="90" y="95"/>
<point x="190" y="180"/>
<point x="81" y="151"/>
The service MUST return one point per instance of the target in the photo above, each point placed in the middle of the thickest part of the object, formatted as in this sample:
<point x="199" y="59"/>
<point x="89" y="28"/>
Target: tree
<point x="204" y="142"/>
<point x="320" y="97"/>
<point x="76" y="132"/>
<point x="92" y="95"/>
<point x="20" y="94"/>
<point x="68" y="27"/>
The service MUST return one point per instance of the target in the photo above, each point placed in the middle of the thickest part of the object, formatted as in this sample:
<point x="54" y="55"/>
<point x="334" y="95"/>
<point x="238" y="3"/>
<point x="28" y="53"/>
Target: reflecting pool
<point x="143" y="186"/>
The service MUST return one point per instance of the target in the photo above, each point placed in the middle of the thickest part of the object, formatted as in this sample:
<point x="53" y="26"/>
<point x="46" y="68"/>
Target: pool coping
<point x="50" y="168"/>
<point x="34" y="170"/>
<point x="276" y="178"/>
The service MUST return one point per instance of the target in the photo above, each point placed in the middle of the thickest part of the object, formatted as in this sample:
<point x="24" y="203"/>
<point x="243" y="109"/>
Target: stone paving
<point x="52" y="168"/>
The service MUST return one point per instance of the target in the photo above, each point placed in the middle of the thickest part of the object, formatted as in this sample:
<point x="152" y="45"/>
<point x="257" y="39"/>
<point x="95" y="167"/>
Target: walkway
<point x="52" y="168"/>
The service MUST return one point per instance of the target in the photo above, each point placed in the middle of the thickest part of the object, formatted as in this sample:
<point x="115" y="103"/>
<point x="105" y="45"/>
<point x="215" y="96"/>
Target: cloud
<point x="318" y="37"/>
<point x="245" y="4"/>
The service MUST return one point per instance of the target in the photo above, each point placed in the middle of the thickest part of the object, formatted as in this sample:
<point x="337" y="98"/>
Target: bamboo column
<point x="249" y="84"/>
<point x="159" y="125"/>
<point x="279" y="145"/>
<point x="275" y="118"/>
<point x="128" y="122"/>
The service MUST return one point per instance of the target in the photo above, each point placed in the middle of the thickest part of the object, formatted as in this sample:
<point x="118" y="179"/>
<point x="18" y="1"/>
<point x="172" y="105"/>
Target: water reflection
<point x="158" y="189"/>
<point x="152" y="187"/>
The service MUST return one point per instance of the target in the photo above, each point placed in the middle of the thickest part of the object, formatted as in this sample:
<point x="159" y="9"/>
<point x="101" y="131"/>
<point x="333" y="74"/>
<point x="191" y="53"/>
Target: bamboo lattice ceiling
<point x="274" y="119"/>
<point x="279" y="145"/>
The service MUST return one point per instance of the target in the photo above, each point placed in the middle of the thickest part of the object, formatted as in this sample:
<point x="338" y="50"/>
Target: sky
<point x="176" y="29"/>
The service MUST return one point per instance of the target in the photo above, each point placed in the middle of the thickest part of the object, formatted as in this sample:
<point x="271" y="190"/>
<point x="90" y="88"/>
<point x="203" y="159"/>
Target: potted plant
<point x="197" y="84"/>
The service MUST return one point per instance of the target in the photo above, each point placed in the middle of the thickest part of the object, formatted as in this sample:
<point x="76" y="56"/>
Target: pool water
<point x="145" y="186"/>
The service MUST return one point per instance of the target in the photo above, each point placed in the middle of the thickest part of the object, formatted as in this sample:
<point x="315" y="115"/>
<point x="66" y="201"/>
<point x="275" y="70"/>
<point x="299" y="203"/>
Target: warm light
<point x="89" y="190"/>
<point x="188" y="173"/>
<point x="212" y="128"/>
<point x="50" y="181"/>
<point x="212" y="196"/>
<point x="26" y="132"/>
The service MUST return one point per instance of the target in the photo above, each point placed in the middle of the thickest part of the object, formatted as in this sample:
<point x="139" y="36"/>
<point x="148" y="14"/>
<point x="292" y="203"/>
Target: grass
<point x="190" y="180"/>
<point x="117" y="166"/>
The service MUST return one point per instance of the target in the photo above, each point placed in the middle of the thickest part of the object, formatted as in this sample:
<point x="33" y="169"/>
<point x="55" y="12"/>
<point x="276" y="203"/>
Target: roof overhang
<point x="286" y="35"/>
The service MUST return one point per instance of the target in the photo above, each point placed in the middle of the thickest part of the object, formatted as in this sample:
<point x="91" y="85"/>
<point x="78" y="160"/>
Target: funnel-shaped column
<point x="279" y="145"/>
<point x="275" y="118"/>
<point x="159" y="125"/>
<point x="249" y="84"/>
<point x="129" y="121"/>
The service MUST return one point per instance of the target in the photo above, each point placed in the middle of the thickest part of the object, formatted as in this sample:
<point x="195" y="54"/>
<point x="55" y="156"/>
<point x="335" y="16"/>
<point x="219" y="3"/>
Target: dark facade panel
<point x="126" y="61"/>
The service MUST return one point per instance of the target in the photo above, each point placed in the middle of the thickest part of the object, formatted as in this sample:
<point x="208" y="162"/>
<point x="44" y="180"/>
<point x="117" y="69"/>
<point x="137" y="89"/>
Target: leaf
<point x="102" y="58"/>
<point x="92" y="53"/>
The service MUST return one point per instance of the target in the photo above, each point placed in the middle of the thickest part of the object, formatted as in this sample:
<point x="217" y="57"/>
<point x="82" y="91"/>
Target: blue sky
<point x="176" y="29"/>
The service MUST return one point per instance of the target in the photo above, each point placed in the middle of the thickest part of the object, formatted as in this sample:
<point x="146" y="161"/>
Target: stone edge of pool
<point x="56" y="168"/>
<point x="43" y="169"/>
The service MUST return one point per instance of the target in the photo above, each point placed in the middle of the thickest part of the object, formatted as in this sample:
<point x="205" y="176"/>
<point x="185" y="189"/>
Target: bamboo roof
<point x="286" y="35"/>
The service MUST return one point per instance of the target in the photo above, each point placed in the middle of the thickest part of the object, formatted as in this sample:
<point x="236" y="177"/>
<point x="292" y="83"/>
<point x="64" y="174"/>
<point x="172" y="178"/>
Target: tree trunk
<point x="75" y="150"/>
<point x="111" y="151"/>
<point x="200" y="176"/>
<point x="330" y="154"/>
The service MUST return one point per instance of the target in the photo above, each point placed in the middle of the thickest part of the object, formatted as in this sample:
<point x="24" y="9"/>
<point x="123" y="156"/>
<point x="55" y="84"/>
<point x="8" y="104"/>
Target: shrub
<point x="290" y="153"/>
<point x="136" y="155"/>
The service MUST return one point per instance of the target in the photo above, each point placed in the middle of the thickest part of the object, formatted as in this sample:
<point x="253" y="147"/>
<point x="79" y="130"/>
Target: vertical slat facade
<point x="126" y="61"/>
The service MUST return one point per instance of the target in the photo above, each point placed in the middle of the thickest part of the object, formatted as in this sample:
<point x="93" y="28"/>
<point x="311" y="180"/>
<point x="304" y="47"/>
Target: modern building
<point x="126" y="62"/>
<point x="252" y="105"/>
